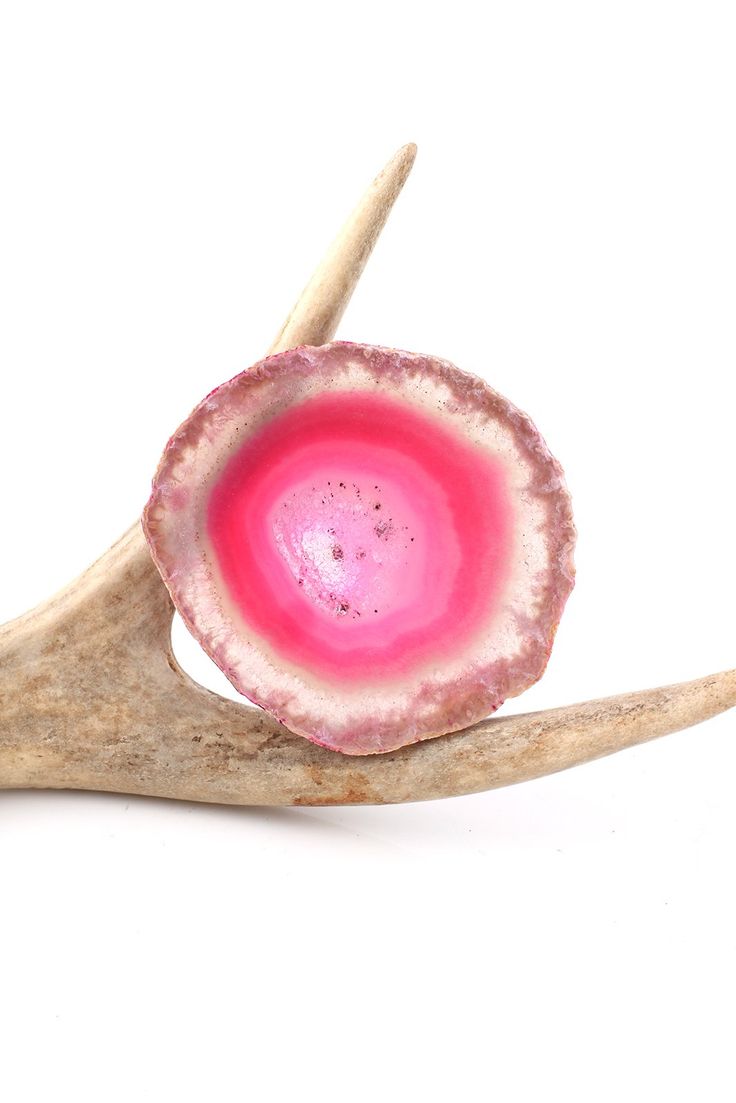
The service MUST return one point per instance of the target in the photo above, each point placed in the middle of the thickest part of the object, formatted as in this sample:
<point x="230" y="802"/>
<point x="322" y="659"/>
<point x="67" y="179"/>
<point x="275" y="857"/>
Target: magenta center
<point x="361" y="538"/>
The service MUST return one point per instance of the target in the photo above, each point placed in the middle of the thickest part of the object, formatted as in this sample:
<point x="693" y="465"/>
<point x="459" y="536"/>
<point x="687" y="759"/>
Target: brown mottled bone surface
<point x="91" y="696"/>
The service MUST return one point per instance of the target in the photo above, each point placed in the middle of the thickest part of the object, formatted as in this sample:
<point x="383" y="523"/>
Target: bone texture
<point x="91" y="696"/>
<point x="317" y="313"/>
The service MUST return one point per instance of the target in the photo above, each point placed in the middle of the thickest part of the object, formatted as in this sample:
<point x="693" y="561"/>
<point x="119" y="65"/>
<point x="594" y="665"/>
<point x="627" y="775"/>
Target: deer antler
<point x="91" y="696"/>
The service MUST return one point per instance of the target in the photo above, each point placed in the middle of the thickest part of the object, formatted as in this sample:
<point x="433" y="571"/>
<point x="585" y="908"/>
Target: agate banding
<point x="373" y="545"/>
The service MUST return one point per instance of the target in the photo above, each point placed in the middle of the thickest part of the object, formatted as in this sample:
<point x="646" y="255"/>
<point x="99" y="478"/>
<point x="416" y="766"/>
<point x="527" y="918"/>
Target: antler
<point x="91" y="696"/>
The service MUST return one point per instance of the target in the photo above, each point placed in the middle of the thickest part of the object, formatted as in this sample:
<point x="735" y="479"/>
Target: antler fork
<point x="91" y="696"/>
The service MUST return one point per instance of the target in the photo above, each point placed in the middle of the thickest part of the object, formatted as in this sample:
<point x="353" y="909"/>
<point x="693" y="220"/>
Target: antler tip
<point x="402" y="161"/>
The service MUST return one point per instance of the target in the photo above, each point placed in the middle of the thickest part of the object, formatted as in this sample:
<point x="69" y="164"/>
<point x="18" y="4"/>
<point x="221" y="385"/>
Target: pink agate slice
<point x="372" y="545"/>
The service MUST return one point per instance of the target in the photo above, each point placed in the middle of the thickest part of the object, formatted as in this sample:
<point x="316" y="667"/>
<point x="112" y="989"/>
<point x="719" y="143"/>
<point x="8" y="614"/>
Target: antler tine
<point x="496" y="752"/>
<point x="318" y="310"/>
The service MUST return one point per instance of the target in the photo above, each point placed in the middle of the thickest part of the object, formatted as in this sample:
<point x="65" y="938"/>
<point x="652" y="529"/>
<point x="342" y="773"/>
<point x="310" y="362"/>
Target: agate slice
<point x="372" y="545"/>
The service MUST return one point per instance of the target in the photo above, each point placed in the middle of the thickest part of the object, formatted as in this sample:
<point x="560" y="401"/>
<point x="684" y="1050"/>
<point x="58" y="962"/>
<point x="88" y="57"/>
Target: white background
<point x="171" y="172"/>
